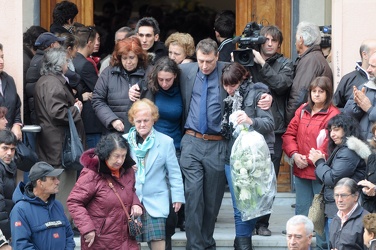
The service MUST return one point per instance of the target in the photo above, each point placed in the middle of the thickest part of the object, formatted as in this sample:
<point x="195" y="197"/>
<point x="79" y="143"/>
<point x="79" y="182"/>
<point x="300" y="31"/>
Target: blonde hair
<point x="141" y="105"/>
<point x="184" y="40"/>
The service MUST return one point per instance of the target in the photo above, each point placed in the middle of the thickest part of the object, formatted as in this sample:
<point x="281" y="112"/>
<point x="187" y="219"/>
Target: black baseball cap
<point x="46" y="39"/>
<point x="41" y="169"/>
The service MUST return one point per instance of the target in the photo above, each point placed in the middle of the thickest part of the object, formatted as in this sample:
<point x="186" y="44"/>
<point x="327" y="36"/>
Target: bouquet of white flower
<point x="252" y="174"/>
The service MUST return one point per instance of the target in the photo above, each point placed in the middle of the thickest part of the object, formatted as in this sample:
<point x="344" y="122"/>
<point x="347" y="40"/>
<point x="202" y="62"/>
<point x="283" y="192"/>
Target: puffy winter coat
<point x="301" y="135"/>
<point x="37" y="224"/>
<point x="347" y="160"/>
<point x="95" y="207"/>
<point x="110" y="97"/>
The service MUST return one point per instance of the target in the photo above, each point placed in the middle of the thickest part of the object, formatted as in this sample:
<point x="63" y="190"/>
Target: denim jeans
<point x="305" y="190"/>
<point x="242" y="228"/>
<point x="92" y="140"/>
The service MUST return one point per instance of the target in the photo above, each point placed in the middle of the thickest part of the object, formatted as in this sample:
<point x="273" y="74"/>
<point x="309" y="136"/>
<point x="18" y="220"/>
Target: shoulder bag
<point x="134" y="225"/>
<point x="72" y="147"/>
<point x="317" y="212"/>
<point x="25" y="157"/>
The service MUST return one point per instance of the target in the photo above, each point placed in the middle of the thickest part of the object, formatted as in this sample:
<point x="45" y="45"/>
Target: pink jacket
<point x="94" y="206"/>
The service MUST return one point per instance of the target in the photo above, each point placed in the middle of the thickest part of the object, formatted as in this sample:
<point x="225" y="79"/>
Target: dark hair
<point x="108" y="143"/>
<point x="325" y="84"/>
<point x="163" y="64"/>
<point x="233" y="73"/>
<point x="63" y="12"/>
<point x="350" y="183"/>
<point x="150" y="22"/>
<point x="85" y="34"/>
<point x="349" y="125"/>
<point x="31" y="35"/>
<point x="225" y="26"/>
<point x="369" y="223"/>
<point x="273" y="31"/>
<point x="126" y="45"/>
<point x="70" y="40"/>
<point x="3" y="111"/>
<point x="34" y="183"/>
<point x="7" y="137"/>
<point x="1" y="47"/>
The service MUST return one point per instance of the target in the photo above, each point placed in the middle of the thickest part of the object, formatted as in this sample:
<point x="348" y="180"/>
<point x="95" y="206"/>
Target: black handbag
<point x="25" y="157"/>
<point x="134" y="225"/>
<point x="72" y="147"/>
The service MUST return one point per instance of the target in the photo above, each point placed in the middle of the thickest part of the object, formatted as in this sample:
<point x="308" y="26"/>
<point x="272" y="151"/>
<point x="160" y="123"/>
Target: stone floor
<point x="225" y="232"/>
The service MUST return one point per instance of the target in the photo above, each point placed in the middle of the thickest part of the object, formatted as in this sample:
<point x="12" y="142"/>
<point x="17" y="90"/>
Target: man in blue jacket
<point x="38" y="220"/>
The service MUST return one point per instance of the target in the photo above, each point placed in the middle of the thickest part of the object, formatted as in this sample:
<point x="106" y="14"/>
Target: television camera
<point x="250" y="39"/>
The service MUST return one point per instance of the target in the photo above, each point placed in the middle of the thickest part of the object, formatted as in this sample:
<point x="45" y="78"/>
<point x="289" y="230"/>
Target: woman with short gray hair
<point x="53" y="98"/>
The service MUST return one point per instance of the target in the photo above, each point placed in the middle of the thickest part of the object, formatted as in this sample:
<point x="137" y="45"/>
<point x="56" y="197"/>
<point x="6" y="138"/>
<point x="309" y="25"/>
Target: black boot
<point x="243" y="243"/>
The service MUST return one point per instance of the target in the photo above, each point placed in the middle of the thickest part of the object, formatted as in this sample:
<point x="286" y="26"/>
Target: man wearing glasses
<point x="346" y="228"/>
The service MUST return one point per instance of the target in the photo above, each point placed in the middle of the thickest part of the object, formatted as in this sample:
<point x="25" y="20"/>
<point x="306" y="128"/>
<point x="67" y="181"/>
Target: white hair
<point x="310" y="33"/>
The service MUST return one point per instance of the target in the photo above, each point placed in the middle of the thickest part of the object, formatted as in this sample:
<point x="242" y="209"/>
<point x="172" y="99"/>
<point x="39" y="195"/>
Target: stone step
<point x="224" y="233"/>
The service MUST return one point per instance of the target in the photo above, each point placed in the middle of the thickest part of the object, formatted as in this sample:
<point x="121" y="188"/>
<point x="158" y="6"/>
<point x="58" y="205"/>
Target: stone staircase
<point x="224" y="233"/>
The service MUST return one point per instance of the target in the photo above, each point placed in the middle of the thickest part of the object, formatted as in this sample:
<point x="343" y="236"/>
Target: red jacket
<point x="94" y="206"/>
<point x="301" y="136"/>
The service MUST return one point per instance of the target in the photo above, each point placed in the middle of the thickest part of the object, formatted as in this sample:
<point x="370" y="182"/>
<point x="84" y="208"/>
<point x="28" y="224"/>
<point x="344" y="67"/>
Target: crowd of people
<point x="155" y="119"/>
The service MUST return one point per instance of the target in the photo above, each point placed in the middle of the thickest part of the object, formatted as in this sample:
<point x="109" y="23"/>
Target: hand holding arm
<point x="134" y="93"/>
<point x="265" y="101"/>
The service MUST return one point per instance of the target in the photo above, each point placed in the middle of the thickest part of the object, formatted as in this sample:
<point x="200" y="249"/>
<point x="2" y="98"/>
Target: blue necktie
<point x="203" y="117"/>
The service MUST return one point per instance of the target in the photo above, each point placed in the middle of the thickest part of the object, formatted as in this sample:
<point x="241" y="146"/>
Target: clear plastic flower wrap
<point x="252" y="174"/>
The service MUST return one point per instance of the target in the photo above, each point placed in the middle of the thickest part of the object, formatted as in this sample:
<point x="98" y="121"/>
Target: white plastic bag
<point x="252" y="174"/>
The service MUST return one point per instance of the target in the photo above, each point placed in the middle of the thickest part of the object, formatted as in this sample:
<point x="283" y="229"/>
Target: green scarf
<point x="140" y="151"/>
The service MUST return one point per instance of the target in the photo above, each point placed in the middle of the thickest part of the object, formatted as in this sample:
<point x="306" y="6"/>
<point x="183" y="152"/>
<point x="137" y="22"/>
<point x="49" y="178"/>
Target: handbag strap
<point x="117" y="195"/>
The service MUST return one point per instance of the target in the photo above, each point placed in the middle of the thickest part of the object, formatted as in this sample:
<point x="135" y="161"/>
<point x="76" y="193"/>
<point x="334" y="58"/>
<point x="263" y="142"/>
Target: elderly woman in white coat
<point x="157" y="173"/>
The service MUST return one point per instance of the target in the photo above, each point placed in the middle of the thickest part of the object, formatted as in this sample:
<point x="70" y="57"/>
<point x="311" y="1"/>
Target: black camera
<point x="326" y="38"/>
<point x="250" y="39"/>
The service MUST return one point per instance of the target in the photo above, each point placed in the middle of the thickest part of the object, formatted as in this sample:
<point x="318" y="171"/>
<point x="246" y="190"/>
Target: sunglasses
<point x="90" y="31"/>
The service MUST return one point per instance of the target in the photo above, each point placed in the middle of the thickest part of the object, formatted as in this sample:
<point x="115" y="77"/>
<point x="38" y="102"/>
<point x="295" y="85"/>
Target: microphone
<point x="236" y="39"/>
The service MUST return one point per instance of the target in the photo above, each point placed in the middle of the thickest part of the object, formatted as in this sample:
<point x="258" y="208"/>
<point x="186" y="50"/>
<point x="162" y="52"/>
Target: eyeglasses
<point x="90" y="31"/>
<point x="343" y="196"/>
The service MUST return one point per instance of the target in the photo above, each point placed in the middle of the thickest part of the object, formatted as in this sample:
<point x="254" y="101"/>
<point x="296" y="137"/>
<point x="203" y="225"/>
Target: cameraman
<point x="276" y="71"/>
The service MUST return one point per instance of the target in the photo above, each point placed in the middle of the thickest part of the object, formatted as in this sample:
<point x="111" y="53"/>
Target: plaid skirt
<point x="152" y="228"/>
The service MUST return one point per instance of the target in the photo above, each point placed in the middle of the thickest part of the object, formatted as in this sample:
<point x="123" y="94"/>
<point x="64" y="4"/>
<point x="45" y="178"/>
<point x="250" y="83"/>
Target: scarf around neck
<point x="140" y="149"/>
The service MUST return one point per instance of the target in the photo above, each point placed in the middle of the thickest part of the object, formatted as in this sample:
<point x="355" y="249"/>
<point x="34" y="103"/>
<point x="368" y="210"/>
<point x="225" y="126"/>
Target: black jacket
<point x="110" y="97"/>
<point x="89" y="78"/>
<point x="10" y="99"/>
<point x="8" y="174"/>
<point x="369" y="202"/>
<point x="345" y="87"/>
<point x="347" y="160"/>
<point x="277" y="73"/>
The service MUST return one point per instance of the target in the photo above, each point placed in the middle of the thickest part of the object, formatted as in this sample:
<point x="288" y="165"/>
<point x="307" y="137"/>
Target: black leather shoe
<point x="264" y="231"/>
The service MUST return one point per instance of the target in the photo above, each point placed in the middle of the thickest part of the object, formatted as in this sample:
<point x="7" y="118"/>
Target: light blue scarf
<point x="140" y="150"/>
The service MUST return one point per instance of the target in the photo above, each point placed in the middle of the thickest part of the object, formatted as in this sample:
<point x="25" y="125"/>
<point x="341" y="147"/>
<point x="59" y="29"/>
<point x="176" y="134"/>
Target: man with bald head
<point x="357" y="77"/>
<point x="362" y="103"/>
